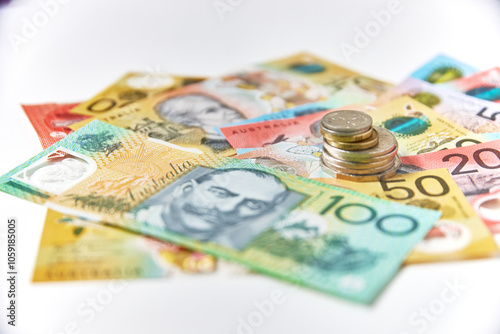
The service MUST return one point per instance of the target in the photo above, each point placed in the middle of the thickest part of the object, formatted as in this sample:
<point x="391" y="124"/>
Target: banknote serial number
<point x="11" y="272"/>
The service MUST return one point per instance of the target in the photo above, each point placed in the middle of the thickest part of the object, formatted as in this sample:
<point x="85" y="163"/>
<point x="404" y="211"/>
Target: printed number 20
<point x="477" y="158"/>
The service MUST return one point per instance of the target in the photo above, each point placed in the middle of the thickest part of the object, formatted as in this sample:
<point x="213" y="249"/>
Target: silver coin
<point x="387" y="143"/>
<point x="351" y="121"/>
<point x="363" y="178"/>
<point x="379" y="158"/>
<point x="353" y="171"/>
<point x="356" y="165"/>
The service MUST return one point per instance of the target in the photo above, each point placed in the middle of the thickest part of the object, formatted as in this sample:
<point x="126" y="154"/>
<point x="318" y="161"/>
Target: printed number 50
<point x="420" y="186"/>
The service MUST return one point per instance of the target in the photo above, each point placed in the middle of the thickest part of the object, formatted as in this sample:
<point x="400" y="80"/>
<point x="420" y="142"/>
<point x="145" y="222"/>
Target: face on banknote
<point x="330" y="239"/>
<point x="188" y="116"/>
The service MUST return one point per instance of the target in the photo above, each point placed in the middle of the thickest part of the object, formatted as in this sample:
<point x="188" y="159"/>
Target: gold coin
<point x="354" y="164"/>
<point x="353" y="171"/>
<point x="346" y="138"/>
<point x="363" y="178"/>
<point x="379" y="158"/>
<point x="356" y="146"/>
<point x="387" y="144"/>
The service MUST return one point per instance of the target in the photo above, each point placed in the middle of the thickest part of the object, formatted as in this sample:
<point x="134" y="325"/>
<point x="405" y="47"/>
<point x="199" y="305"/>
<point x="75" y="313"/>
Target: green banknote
<point x="443" y="68"/>
<point x="418" y="128"/>
<point x="327" y="238"/>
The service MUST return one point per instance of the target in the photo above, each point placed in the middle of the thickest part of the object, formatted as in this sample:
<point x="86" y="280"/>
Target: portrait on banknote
<point x="227" y="206"/>
<point x="199" y="110"/>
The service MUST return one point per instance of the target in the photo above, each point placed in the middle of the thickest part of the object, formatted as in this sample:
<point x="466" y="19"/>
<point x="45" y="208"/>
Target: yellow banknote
<point x="72" y="249"/>
<point x="459" y="234"/>
<point x="418" y="128"/>
<point x="465" y="140"/>
<point x="187" y="116"/>
<point x="130" y="88"/>
<point x="339" y="81"/>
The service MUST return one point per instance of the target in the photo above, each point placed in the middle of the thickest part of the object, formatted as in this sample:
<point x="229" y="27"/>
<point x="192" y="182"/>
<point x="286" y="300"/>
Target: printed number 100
<point x="383" y="223"/>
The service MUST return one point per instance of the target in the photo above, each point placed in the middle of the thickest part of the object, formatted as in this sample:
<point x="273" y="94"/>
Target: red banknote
<point x="260" y="134"/>
<point x="51" y="120"/>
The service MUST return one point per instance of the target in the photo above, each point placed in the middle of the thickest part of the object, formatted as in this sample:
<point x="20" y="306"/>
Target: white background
<point x="88" y="44"/>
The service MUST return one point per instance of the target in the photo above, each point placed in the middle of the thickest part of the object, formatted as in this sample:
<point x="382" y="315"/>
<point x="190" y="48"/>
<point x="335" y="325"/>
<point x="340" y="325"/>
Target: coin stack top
<point x="354" y="149"/>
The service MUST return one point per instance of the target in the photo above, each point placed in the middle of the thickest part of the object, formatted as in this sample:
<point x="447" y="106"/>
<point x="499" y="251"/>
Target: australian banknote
<point x="343" y="85"/>
<point x="305" y="109"/>
<point x="417" y="127"/>
<point x="459" y="234"/>
<point x="74" y="249"/>
<point x="295" y="156"/>
<point x="130" y="88"/>
<point x="187" y="116"/>
<point x="484" y="85"/>
<point x="260" y="134"/>
<point x="477" y="115"/>
<point x="52" y="120"/>
<point x="330" y="239"/>
<point x="443" y="68"/>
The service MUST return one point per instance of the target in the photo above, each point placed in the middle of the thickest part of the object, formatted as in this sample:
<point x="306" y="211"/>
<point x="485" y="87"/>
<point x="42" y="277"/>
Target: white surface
<point x="88" y="44"/>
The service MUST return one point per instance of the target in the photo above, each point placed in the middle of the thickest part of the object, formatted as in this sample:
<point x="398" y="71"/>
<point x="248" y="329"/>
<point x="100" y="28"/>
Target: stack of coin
<point x="355" y="150"/>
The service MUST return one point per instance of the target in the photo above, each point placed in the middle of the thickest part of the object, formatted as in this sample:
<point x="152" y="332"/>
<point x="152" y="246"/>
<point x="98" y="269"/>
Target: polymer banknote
<point x="477" y="115"/>
<point x="187" y="116"/>
<point x="459" y="234"/>
<point x="130" y="88"/>
<point x="484" y="85"/>
<point x="75" y="249"/>
<point x="52" y="120"/>
<point x="443" y="68"/>
<point x="334" y="240"/>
